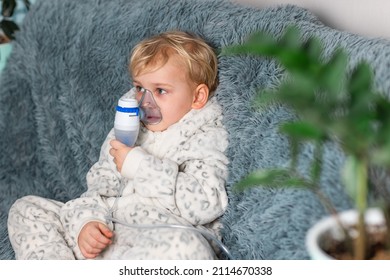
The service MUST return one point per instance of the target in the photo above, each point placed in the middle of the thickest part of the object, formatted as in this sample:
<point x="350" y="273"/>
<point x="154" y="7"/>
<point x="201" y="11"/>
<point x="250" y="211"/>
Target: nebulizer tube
<point x="205" y="233"/>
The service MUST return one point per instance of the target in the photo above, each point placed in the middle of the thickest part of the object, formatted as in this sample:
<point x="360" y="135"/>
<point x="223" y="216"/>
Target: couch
<point x="68" y="67"/>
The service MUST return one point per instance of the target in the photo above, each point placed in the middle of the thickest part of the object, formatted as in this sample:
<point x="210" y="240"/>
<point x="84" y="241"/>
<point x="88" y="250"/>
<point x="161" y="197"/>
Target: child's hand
<point x="119" y="151"/>
<point x="94" y="237"/>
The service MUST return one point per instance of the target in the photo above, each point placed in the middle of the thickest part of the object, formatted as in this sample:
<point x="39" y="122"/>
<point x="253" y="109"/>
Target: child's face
<point x="172" y="91"/>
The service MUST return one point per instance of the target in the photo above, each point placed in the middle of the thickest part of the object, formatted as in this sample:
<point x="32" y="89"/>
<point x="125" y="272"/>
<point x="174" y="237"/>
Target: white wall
<point x="370" y="18"/>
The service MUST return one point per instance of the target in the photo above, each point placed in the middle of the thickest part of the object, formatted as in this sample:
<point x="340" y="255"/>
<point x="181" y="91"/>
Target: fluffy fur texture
<point x="69" y="67"/>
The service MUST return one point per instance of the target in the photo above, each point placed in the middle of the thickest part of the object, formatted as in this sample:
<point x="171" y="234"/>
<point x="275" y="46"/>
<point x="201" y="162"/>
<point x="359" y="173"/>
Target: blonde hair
<point x="198" y="57"/>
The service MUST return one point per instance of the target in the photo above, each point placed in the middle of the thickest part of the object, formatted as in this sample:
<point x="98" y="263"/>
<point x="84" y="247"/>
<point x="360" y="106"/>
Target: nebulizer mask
<point x="150" y="112"/>
<point x="130" y="112"/>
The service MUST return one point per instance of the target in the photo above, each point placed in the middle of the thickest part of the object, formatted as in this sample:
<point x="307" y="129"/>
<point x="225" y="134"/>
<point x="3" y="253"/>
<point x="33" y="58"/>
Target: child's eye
<point x="140" y="89"/>
<point x="161" y="91"/>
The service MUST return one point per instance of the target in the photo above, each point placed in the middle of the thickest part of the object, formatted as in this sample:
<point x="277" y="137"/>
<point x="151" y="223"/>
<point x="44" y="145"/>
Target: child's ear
<point x="201" y="96"/>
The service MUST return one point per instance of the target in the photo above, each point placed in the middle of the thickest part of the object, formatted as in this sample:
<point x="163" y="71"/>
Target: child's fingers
<point x="105" y="231"/>
<point x="116" y="144"/>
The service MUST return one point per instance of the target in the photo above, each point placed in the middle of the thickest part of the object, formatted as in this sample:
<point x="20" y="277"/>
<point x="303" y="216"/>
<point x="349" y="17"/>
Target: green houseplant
<point x="332" y="103"/>
<point x="7" y="26"/>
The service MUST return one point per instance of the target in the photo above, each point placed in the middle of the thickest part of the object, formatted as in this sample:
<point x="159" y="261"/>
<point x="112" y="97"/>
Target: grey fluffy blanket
<point x="69" y="66"/>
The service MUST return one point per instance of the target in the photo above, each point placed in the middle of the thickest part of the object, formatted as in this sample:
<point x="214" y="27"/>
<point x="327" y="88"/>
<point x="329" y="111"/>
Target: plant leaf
<point x="333" y="73"/>
<point x="302" y="130"/>
<point x="271" y="178"/>
<point x="259" y="43"/>
<point x="8" y="7"/>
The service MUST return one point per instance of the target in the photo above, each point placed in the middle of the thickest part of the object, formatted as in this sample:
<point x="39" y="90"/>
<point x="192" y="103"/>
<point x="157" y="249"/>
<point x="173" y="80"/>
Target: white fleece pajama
<point x="172" y="177"/>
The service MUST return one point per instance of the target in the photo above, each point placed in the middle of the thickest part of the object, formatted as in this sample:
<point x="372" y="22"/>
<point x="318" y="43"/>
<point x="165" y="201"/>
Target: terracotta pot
<point x="328" y="225"/>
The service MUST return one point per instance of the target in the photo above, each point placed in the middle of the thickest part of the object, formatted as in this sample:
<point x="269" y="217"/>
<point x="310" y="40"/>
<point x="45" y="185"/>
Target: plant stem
<point x="361" y="205"/>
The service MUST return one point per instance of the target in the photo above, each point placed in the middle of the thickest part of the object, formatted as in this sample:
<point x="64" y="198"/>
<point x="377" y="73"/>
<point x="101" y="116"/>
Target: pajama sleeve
<point x="102" y="181"/>
<point x="192" y="187"/>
